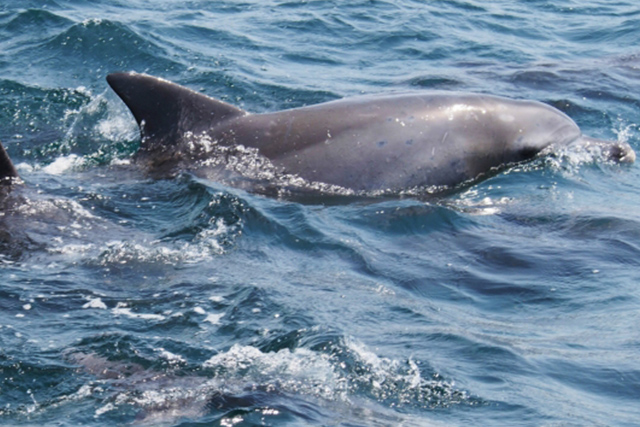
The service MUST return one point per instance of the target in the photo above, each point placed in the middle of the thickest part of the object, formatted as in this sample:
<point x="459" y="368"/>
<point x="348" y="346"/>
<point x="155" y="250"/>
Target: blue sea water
<point x="181" y="301"/>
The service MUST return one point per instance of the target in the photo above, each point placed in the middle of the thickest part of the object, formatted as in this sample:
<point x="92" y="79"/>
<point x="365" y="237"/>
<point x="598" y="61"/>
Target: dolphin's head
<point x="535" y="126"/>
<point x="538" y="126"/>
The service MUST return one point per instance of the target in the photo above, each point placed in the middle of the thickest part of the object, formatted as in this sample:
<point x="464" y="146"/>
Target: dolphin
<point x="366" y="144"/>
<point x="7" y="171"/>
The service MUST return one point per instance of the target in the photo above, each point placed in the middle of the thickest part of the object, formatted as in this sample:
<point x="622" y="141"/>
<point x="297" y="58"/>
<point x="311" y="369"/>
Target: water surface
<point x="182" y="301"/>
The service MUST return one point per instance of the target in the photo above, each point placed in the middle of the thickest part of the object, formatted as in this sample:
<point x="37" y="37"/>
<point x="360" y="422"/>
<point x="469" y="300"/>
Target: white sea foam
<point x="64" y="164"/>
<point x="72" y="248"/>
<point x="122" y="309"/>
<point x="214" y="319"/>
<point x="301" y="371"/>
<point x="204" y="245"/>
<point x="104" y="409"/>
<point x="171" y="357"/>
<point x="117" y="126"/>
<point x="472" y="202"/>
<point x="49" y="207"/>
<point x="326" y="376"/>
<point x="95" y="303"/>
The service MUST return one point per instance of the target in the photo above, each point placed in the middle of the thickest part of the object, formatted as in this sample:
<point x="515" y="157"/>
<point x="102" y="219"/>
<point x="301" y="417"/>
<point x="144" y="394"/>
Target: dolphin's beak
<point x="616" y="151"/>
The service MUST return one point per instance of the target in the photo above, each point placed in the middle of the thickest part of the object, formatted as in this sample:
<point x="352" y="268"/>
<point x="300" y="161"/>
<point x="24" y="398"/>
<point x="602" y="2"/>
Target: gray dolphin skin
<point x="369" y="143"/>
<point x="7" y="170"/>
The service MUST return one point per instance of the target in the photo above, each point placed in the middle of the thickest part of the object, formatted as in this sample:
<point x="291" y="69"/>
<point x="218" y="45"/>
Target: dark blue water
<point x="129" y="299"/>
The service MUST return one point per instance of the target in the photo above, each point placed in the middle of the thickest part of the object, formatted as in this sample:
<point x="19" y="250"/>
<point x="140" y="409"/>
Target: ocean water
<point x="131" y="299"/>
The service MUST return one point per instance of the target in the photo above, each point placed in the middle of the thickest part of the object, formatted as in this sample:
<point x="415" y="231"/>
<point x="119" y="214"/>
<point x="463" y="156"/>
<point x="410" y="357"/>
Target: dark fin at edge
<point x="165" y="111"/>
<point x="7" y="170"/>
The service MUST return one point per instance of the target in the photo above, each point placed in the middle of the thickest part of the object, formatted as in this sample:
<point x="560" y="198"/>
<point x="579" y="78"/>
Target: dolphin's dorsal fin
<point x="7" y="170"/>
<point x="165" y="111"/>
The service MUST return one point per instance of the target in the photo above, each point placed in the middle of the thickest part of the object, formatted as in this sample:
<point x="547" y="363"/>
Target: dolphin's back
<point x="397" y="141"/>
<point x="371" y="143"/>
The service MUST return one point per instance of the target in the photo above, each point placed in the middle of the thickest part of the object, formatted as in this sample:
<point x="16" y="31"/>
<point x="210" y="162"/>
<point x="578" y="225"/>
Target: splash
<point x="245" y="377"/>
